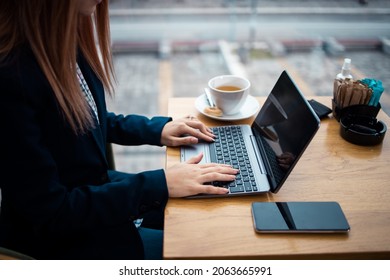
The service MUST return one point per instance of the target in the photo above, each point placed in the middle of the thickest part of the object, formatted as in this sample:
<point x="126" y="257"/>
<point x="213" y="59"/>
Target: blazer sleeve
<point x="135" y="129"/>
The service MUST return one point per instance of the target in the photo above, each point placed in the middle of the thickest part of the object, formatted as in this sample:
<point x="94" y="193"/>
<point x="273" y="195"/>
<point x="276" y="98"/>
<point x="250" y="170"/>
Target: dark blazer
<point x="58" y="195"/>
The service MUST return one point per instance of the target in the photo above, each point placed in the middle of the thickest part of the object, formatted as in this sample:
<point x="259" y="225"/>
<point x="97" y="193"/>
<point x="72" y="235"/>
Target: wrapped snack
<point x="376" y="88"/>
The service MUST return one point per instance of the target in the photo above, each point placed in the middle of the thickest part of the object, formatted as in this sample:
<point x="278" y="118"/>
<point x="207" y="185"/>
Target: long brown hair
<point x="55" y="31"/>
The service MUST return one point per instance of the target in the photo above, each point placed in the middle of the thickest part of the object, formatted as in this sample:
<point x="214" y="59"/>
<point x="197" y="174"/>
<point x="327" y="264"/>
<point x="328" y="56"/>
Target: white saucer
<point x="250" y="107"/>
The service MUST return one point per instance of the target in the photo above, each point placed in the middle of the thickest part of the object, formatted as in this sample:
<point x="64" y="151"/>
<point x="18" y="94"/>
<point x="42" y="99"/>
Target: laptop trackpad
<point x="188" y="152"/>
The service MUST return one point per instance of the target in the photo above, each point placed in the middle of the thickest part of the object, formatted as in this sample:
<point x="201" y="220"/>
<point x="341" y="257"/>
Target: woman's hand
<point x="185" y="179"/>
<point x="185" y="131"/>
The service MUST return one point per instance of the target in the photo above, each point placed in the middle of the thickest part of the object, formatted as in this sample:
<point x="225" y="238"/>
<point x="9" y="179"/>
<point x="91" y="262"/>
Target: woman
<point x="59" y="200"/>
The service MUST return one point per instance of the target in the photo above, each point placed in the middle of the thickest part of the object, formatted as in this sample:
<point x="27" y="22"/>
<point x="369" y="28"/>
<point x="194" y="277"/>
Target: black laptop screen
<point x="284" y="127"/>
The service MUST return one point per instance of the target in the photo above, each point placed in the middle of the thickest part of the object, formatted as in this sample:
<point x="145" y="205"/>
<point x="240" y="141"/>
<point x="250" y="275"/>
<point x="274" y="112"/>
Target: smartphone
<point x="297" y="217"/>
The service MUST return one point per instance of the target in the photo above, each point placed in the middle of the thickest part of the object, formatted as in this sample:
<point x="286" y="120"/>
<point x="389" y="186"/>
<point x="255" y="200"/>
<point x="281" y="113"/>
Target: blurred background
<point x="171" y="48"/>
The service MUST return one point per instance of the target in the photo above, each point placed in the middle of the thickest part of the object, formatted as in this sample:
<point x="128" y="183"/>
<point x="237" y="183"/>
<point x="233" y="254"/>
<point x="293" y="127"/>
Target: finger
<point x="220" y="168"/>
<point x="215" y="176"/>
<point x="194" y="122"/>
<point x="203" y="129"/>
<point x="183" y="140"/>
<point x="190" y="117"/>
<point x="196" y="159"/>
<point x="209" y="189"/>
<point x="195" y="132"/>
<point x="208" y="135"/>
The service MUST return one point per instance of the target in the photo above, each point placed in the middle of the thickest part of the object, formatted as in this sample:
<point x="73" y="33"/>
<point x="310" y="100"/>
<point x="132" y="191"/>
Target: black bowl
<point x="362" y="130"/>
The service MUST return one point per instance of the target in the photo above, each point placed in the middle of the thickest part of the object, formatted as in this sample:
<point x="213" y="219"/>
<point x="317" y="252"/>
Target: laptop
<point x="266" y="151"/>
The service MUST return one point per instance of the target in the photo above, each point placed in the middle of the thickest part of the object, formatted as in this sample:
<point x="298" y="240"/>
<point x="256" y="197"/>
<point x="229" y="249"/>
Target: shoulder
<point x="18" y="60"/>
<point x="21" y="75"/>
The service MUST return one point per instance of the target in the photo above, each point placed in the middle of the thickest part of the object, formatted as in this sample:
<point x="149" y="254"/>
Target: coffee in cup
<point x="229" y="92"/>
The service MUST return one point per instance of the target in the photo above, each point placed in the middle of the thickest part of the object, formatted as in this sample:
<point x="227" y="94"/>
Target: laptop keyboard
<point x="229" y="148"/>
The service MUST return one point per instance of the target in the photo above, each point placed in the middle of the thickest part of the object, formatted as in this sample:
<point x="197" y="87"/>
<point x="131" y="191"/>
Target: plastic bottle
<point x="345" y="70"/>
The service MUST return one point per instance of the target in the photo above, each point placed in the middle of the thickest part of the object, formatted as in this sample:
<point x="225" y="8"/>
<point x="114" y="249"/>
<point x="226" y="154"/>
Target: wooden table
<point x="331" y="169"/>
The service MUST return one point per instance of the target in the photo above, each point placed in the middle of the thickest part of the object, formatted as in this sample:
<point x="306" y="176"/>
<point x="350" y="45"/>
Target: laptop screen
<point x="284" y="128"/>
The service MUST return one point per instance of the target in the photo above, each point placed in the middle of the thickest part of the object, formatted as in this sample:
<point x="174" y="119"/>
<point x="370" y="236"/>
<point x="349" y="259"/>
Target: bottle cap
<point x="347" y="64"/>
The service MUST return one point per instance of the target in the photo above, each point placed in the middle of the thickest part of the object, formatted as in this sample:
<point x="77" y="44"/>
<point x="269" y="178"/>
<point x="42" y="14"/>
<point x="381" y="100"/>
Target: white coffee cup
<point x="229" y="92"/>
